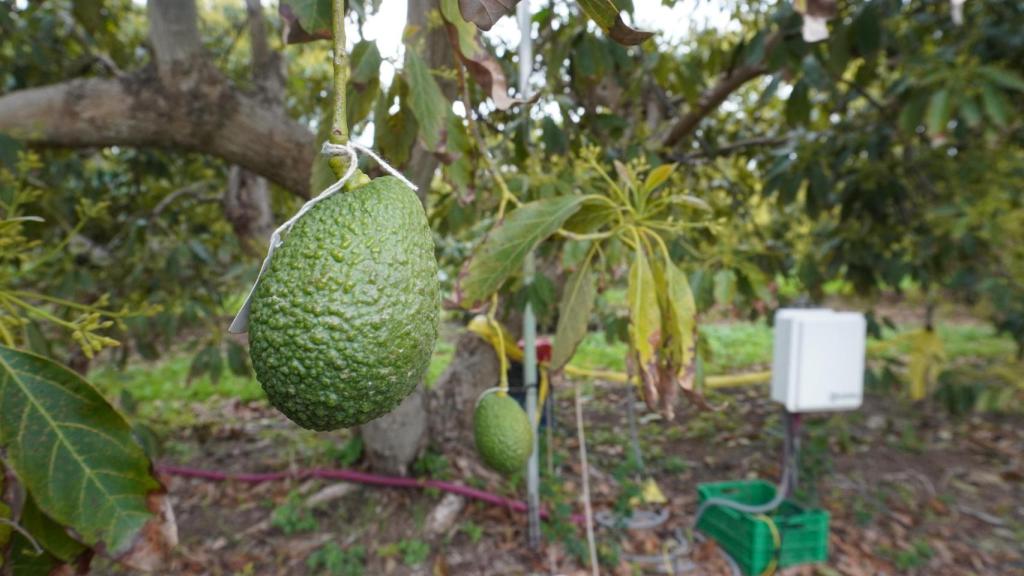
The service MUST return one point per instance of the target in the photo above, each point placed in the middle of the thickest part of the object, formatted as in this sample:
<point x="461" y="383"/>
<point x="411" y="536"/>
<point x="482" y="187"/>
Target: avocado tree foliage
<point x="696" y="172"/>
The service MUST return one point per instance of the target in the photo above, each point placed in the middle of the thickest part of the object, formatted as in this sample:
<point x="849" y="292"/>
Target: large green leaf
<point x="428" y="104"/>
<point x="503" y="251"/>
<point x="73" y="452"/>
<point x="681" y="323"/>
<point x="573" y="314"/>
<point x="644" y="315"/>
<point x="606" y="15"/>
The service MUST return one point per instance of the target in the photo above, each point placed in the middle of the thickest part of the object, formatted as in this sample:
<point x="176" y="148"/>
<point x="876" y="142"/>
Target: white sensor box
<point x="818" y="359"/>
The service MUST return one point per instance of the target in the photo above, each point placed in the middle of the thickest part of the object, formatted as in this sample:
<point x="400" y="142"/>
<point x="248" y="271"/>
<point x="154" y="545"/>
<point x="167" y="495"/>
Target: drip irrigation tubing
<point x="355" y="476"/>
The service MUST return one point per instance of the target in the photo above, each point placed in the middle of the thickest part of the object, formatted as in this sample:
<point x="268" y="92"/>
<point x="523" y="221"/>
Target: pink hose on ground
<point x="357" y="477"/>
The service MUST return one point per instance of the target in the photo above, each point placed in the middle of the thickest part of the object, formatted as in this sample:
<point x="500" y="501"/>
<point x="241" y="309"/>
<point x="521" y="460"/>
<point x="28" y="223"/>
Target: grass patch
<point x="167" y="381"/>
<point x="442" y="357"/>
<point x="742" y="346"/>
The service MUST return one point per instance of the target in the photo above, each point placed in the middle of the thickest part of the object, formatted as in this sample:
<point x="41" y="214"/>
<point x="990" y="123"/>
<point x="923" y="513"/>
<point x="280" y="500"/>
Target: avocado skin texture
<point x="344" y="320"/>
<point x="503" y="435"/>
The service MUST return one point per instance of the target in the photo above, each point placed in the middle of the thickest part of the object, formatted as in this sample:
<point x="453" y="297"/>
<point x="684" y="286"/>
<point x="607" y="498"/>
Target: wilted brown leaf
<point x="466" y="43"/>
<point x="484" y="13"/>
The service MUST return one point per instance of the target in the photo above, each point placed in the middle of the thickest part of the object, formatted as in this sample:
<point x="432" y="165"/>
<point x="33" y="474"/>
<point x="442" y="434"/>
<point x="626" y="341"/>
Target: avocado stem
<point x="339" y="127"/>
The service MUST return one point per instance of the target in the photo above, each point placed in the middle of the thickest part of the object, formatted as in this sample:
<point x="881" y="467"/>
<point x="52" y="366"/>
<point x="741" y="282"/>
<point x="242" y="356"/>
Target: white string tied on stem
<point x="241" y="322"/>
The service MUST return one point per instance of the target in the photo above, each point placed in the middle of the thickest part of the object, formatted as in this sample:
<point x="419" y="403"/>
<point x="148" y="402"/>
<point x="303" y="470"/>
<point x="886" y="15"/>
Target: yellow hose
<point x="488" y="330"/>
<point x="723" y="381"/>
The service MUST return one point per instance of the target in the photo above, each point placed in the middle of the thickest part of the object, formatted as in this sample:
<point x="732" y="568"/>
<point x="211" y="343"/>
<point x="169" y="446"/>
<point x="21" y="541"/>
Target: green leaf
<point x="913" y="111"/>
<point x="970" y="111"/>
<point x="1004" y="78"/>
<point x="305" y="20"/>
<point x="798" y="106"/>
<point x="73" y="452"/>
<point x="49" y="534"/>
<point x="753" y="52"/>
<point x="995" y="105"/>
<point x="207" y="361"/>
<point x="37" y="342"/>
<point x="238" y="359"/>
<point x="682" y="317"/>
<point x="364" y="62"/>
<point x="691" y="201"/>
<point x="428" y="104"/>
<point x="658" y="176"/>
<point x="573" y="314"/>
<point x="606" y="15"/>
<point x="591" y="215"/>
<point x="940" y="106"/>
<point x="364" y="82"/>
<point x="866" y="30"/>
<point x="23" y="560"/>
<point x="553" y="137"/>
<point x="503" y="251"/>
<point x="394" y="135"/>
<point x="644" y="315"/>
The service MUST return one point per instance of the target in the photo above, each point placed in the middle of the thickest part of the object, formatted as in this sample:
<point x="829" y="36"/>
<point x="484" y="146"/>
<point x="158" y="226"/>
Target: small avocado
<point x="503" y="435"/>
<point x="344" y="320"/>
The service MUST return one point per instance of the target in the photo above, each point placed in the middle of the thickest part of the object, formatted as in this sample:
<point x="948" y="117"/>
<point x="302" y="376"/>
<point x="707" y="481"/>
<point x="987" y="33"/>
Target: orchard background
<point x="147" y="151"/>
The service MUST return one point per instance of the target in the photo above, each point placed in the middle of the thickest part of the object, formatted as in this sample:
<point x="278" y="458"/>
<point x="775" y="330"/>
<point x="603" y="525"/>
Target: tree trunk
<point x="246" y="205"/>
<point x="452" y="400"/>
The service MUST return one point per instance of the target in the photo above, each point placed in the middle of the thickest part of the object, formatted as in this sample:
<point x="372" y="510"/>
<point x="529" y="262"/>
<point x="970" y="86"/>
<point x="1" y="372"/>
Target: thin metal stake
<point x="529" y="320"/>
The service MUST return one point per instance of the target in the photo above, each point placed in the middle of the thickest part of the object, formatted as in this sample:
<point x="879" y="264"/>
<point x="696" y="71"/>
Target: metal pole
<point x="529" y="321"/>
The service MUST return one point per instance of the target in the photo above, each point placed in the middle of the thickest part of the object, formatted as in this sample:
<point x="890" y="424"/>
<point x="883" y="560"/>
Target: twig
<point x="491" y="165"/>
<point x="189" y="190"/>
<point x="588" y="514"/>
<point x="17" y="527"/>
<point x="981" y="515"/>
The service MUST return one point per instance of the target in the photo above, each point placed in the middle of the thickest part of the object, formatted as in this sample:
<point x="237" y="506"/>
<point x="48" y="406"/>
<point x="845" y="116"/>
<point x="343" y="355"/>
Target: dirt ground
<point x="910" y="491"/>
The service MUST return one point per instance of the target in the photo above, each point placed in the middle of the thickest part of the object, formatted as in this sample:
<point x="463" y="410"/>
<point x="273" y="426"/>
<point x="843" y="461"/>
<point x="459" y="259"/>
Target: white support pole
<point x="529" y="320"/>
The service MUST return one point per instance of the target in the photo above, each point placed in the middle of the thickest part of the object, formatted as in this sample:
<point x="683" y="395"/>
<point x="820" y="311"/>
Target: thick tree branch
<point x="710" y="100"/>
<point x="714" y="96"/>
<point x="201" y="114"/>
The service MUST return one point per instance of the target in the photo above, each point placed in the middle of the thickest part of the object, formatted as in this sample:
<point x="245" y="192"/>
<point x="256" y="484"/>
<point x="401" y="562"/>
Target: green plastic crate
<point x="748" y="539"/>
